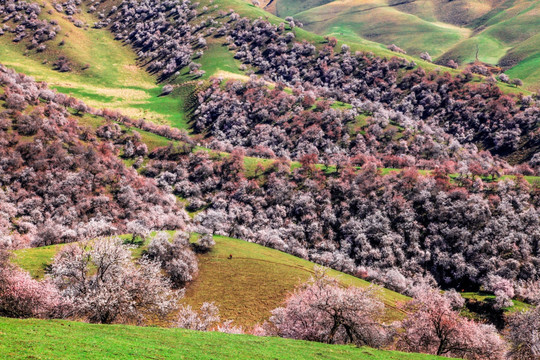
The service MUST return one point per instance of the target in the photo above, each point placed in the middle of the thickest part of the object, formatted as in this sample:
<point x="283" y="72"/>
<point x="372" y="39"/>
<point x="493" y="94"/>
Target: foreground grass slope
<point x="42" y="339"/>
<point x="245" y="288"/>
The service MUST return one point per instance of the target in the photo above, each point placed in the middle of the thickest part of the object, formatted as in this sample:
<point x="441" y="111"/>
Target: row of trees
<point x="116" y="133"/>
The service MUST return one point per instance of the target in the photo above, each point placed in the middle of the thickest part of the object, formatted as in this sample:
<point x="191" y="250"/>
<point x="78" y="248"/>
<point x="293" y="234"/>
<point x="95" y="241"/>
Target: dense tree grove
<point x="272" y="123"/>
<point x="62" y="182"/>
<point x="388" y="228"/>
<point x="160" y="31"/>
<point x="361" y="222"/>
<point x="434" y="114"/>
<point x="21" y="19"/>
<point x="59" y="183"/>
<point x="472" y="113"/>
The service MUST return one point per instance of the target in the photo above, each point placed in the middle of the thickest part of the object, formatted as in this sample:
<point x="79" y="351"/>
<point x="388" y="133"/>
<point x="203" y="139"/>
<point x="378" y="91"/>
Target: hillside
<point x="405" y="117"/>
<point x="395" y="115"/>
<point x="40" y="339"/>
<point x="102" y="73"/>
<point x="60" y="182"/>
<point x="289" y="147"/>
<point x="245" y="288"/>
<point x="503" y="33"/>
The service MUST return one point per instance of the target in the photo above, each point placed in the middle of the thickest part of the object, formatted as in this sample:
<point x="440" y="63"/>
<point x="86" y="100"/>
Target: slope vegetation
<point x="40" y="339"/>
<point x="61" y="183"/>
<point x="103" y="74"/>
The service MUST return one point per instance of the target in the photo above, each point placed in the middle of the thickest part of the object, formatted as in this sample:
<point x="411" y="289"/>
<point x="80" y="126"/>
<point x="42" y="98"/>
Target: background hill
<point x="503" y="33"/>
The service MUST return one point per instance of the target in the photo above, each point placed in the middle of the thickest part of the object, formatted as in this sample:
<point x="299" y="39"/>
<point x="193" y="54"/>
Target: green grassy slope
<point x="284" y="8"/>
<point x="245" y="288"/>
<point x="245" y="8"/>
<point x="42" y="339"/>
<point x="525" y="61"/>
<point x="483" y="297"/>
<point x="377" y="21"/>
<point x="257" y="280"/>
<point x="112" y="79"/>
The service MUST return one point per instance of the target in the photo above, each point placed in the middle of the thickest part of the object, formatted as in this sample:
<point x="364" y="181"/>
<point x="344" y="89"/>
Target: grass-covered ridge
<point x="245" y="288"/>
<point x="500" y="33"/>
<point x="257" y="279"/>
<point x="52" y="339"/>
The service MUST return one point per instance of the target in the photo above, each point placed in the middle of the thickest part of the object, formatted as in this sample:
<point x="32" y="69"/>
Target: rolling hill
<point x="245" y="288"/>
<point x="104" y="75"/>
<point x="503" y="33"/>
